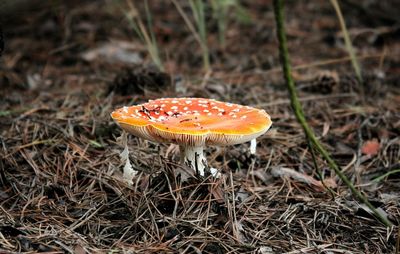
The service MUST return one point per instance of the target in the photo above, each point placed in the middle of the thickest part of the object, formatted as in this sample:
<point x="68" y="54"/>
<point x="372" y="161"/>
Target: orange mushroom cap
<point x="193" y="121"/>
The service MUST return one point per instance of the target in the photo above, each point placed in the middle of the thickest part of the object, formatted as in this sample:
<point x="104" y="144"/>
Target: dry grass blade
<point x="347" y="40"/>
<point x="199" y="34"/>
<point x="145" y="34"/>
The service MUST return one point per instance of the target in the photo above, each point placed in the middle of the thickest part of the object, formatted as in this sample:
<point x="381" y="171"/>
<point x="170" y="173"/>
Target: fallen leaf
<point x="370" y="147"/>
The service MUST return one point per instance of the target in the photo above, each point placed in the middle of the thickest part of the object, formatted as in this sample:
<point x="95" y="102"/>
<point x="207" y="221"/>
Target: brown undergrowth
<point x="60" y="172"/>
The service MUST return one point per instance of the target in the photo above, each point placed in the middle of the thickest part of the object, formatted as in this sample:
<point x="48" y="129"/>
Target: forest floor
<point x="64" y="69"/>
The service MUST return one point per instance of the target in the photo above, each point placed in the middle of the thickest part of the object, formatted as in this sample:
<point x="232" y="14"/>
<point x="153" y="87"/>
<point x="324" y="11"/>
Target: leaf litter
<point x="61" y="187"/>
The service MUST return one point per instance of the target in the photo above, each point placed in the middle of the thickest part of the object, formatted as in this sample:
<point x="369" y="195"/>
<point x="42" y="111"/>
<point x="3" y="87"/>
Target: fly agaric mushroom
<point x="193" y="123"/>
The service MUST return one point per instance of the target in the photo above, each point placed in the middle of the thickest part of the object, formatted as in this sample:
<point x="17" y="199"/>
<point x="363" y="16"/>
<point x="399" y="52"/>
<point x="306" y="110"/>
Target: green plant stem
<point x="284" y="55"/>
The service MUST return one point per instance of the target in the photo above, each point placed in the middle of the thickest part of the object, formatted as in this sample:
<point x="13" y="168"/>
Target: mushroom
<point x="193" y="123"/>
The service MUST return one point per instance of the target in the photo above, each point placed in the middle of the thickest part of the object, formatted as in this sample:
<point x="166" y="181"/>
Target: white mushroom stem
<point x="193" y="156"/>
<point x="253" y="146"/>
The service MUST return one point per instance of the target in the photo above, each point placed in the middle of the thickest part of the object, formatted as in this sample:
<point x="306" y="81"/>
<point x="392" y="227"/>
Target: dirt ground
<point x="66" y="67"/>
